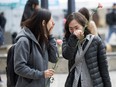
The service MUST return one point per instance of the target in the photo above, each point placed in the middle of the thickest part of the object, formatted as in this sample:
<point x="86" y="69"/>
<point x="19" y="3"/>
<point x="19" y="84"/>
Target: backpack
<point x="12" y="77"/>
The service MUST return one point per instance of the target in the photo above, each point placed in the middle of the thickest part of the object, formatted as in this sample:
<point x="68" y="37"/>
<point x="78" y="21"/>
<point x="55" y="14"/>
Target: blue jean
<point x="112" y="29"/>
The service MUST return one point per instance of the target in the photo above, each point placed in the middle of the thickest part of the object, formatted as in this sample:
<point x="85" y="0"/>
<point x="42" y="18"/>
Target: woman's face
<point x="50" y="24"/>
<point x="74" y="25"/>
<point x="37" y="7"/>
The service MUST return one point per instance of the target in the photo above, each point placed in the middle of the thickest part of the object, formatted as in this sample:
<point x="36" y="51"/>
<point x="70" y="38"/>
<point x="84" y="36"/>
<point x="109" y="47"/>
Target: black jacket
<point x="95" y="58"/>
<point x="111" y="18"/>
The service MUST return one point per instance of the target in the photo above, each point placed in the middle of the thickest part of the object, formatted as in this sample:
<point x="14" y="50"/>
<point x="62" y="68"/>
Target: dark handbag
<point x="70" y="78"/>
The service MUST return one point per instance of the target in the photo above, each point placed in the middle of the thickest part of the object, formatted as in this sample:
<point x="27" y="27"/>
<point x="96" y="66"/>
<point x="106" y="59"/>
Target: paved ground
<point x="60" y="79"/>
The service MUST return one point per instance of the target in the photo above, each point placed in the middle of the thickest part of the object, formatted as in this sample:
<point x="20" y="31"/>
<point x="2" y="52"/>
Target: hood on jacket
<point x="25" y="32"/>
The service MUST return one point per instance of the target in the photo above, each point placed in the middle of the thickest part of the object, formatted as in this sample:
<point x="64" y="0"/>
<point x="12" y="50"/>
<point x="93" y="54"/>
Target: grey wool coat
<point x="30" y="60"/>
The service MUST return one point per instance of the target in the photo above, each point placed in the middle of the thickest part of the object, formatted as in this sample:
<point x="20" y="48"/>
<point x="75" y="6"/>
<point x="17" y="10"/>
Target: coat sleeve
<point x="21" y="57"/>
<point x="52" y="50"/>
<point x="69" y="47"/>
<point x="103" y="65"/>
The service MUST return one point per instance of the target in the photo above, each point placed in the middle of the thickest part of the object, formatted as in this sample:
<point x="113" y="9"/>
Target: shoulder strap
<point x="30" y="42"/>
<point x="88" y="44"/>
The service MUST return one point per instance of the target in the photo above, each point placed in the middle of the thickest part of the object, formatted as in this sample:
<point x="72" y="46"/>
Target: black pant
<point x="79" y="83"/>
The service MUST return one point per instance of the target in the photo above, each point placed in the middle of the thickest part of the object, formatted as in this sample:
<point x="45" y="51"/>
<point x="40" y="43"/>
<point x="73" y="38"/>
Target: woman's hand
<point x="79" y="34"/>
<point x="50" y="25"/>
<point x="48" y="73"/>
<point x="92" y="27"/>
<point x="50" y="29"/>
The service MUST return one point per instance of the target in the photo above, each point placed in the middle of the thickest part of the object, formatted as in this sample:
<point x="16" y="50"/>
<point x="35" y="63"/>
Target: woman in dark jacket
<point x="91" y="70"/>
<point x="34" y="48"/>
<point x="91" y="24"/>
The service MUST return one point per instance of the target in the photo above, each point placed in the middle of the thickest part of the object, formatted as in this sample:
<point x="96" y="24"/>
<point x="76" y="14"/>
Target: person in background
<point x="35" y="46"/>
<point x="91" y="24"/>
<point x="90" y="69"/>
<point x="111" y="21"/>
<point x="2" y="21"/>
<point x="2" y="30"/>
<point x="13" y="37"/>
<point x="30" y="7"/>
<point x="2" y="27"/>
<point x="96" y="18"/>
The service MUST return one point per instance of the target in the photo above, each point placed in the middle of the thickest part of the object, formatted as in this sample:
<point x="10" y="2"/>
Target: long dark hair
<point x="79" y="18"/>
<point x="29" y="9"/>
<point x="34" y="23"/>
<point x="84" y="11"/>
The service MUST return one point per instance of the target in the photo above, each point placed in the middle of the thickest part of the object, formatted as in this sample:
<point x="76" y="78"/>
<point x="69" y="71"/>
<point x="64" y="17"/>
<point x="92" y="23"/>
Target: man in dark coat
<point x="111" y="21"/>
<point x="2" y="21"/>
<point x="2" y="27"/>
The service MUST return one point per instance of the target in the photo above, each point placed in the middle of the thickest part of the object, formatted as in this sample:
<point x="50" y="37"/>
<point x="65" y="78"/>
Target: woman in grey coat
<point x="86" y="68"/>
<point x="34" y="48"/>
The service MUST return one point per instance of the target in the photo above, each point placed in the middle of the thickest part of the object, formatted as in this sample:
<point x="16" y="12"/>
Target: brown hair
<point x="34" y="23"/>
<point x="84" y="11"/>
<point x="79" y="18"/>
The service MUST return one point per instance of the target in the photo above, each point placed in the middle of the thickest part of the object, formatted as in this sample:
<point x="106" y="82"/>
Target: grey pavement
<point x="59" y="79"/>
